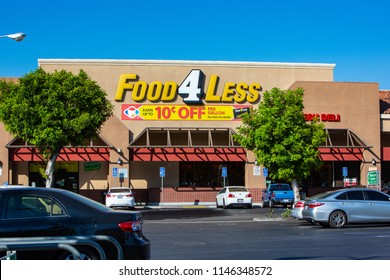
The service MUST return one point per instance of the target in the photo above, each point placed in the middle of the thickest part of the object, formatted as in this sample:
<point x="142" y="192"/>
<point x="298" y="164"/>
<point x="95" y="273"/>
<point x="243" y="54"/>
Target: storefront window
<point x="331" y="175"/>
<point x="66" y="175"/>
<point x="353" y="168"/>
<point x="209" y="174"/>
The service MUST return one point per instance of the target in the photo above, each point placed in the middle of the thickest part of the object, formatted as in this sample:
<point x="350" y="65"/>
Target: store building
<point x="171" y="136"/>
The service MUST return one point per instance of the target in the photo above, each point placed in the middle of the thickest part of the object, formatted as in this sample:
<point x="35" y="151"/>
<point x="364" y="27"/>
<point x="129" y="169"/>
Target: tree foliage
<point x="53" y="110"/>
<point x="280" y="137"/>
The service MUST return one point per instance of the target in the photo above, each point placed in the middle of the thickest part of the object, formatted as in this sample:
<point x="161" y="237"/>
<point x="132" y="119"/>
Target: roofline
<point x="124" y="62"/>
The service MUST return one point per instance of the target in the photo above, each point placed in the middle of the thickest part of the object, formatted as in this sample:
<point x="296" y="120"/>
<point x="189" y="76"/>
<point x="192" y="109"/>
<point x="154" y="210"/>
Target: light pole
<point x="16" y="36"/>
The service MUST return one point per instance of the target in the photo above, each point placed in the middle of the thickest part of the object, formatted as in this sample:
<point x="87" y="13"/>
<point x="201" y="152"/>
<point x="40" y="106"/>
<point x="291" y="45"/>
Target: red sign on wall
<point x="323" y="117"/>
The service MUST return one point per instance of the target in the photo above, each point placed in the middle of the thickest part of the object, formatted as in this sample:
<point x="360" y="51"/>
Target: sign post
<point x="345" y="175"/>
<point x="162" y="175"/>
<point x="224" y="175"/>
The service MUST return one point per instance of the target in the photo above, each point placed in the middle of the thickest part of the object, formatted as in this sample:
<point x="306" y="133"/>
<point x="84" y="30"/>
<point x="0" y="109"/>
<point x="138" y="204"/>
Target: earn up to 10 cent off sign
<point x="182" y="112"/>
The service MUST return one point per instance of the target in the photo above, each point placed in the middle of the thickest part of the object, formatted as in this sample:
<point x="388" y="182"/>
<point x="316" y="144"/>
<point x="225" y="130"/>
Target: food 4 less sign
<point x="193" y="91"/>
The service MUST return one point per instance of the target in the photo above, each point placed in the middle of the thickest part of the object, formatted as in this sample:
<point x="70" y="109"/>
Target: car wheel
<point x="271" y="204"/>
<point x="249" y="206"/>
<point x="86" y="253"/>
<point x="338" y="219"/>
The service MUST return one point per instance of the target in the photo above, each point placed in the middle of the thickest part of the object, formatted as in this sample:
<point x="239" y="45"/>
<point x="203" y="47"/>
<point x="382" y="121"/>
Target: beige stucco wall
<point x="95" y="179"/>
<point x="358" y="107"/>
<point x="269" y="75"/>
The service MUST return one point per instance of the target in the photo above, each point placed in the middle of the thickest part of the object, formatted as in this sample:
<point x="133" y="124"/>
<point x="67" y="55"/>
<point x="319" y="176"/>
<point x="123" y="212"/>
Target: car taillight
<point x="299" y="204"/>
<point x="129" y="195"/>
<point x="230" y="195"/>
<point x="315" y="204"/>
<point x="131" y="226"/>
<point x="273" y="195"/>
<point x="248" y="195"/>
<point x="108" y="195"/>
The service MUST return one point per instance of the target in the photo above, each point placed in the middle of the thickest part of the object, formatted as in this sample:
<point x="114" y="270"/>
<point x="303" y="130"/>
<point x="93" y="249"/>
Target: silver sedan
<point x="346" y="206"/>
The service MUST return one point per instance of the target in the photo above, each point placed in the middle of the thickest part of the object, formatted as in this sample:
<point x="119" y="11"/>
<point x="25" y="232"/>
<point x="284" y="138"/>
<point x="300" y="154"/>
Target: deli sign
<point x="192" y="90"/>
<point x="323" y="117"/>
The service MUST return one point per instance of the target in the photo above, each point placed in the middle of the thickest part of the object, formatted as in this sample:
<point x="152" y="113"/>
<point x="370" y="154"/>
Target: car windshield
<point x="280" y="187"/>
<point x="122" y="190"/>
<point x="87" y="201"/>
<point x="321" y="195"/>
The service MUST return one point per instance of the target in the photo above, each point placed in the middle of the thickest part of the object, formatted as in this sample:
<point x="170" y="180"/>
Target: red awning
<point x="343" y="145"/>
<point x="94" y="150"/>
<point x="186" y="144"/>
<point x="341" y="154"/>
<point x="188" y="154"/>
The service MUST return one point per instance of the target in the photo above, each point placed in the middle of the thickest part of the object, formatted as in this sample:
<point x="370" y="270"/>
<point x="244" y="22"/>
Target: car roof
<point x="14" y="186"/>
<point x="338" y="191"/>
<point x="29" y="188"/>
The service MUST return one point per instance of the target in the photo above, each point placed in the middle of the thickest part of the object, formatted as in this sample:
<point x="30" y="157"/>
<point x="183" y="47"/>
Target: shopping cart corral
<point x="66" y="243"/>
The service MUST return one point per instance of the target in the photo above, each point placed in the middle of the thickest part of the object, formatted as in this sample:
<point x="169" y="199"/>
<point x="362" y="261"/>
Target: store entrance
<point x="66" y="176"/>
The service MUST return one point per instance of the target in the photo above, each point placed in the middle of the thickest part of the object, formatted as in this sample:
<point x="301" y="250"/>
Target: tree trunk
<point x="50" y="170"/>
<point x="294" y="185"/>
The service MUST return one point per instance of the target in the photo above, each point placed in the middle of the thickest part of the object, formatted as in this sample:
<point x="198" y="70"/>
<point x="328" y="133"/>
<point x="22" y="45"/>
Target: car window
<point x="83" y="200"/>
<point x="223" y="190"/>
<point x="124" y="190"/>
<point x="280" y="187"/>
<point x="373" y="195"/>
<point x="26" y="206"/>
<point x="342" y="196"/>
<point x="238" y="190"/>
<point x="355" y="195"/>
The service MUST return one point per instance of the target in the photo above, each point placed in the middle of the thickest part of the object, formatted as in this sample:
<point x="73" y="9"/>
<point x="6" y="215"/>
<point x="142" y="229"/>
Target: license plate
<point x="120" y="196"/>
<point x="240" y="200"/>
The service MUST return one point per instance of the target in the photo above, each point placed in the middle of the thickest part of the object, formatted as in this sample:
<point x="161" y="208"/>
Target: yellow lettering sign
<point x="191" y="90"/>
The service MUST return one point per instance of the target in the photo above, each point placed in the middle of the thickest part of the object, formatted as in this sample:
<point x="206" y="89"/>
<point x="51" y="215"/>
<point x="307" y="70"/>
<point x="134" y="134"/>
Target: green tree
<point x="280" y="137"/>
<point x="53" y="110"/>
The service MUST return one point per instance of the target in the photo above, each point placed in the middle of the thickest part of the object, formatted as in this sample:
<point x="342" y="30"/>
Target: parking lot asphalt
<point x="213" y="213"/>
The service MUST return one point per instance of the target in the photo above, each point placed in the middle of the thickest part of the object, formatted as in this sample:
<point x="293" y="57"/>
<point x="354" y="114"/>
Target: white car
<point x="120" y="197"/>
<point x="234" y="196"/>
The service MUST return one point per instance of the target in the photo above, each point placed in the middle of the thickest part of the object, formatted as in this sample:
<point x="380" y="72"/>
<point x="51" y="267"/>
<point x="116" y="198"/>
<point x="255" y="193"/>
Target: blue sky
<point x="354" y="35"/>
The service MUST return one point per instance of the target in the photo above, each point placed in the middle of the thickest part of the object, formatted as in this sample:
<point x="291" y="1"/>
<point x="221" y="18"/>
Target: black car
<point x="48" y="212"/>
